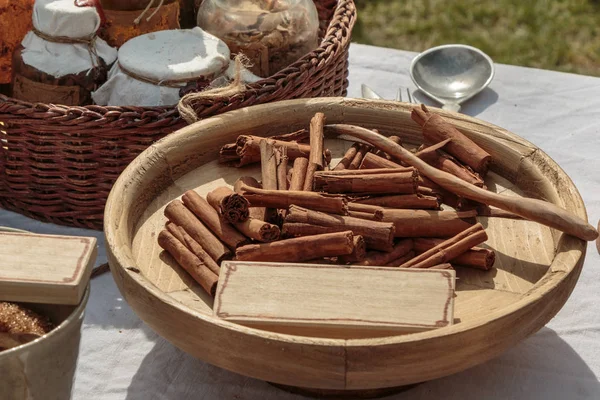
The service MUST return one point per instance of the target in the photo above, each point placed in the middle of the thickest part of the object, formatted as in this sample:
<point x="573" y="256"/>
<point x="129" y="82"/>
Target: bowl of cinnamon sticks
<point x="344" y="244"/>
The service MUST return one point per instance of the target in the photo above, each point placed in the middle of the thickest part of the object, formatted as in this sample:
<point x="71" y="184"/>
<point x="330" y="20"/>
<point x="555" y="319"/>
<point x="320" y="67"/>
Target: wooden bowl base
<point x="345" y="394"/>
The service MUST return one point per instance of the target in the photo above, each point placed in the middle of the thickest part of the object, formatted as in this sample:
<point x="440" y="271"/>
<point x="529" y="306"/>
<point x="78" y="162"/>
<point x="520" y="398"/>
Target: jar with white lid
<point x="152" y="68"/>
<point x="272" y="34"/>
<point x="61" y="61"/>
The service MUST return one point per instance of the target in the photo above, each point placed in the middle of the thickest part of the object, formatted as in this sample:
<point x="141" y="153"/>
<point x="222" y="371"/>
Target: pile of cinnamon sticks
<point x="370" y="209"/>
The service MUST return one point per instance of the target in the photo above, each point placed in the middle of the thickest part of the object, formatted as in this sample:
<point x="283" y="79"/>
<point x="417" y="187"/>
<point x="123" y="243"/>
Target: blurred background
<point x="562" y="35"/>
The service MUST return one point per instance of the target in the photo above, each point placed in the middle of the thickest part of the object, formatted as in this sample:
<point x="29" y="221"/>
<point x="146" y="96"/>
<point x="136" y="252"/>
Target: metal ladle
<point x="452" y="74"/>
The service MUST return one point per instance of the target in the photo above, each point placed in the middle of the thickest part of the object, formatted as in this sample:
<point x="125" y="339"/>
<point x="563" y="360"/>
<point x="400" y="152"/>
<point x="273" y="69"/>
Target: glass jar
<point x="272" y="34"/>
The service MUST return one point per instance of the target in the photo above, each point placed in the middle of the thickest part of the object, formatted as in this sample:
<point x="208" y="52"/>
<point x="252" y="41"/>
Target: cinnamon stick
<point x="403" y="201"/>
<point x="436" y="129"/>
<point x="253" y="212"/>
<point x="315" y="161"/>
<point x="282" y="164"/>
<point x="300" y="248"/>
<point x="476" y="257"/>
<point x="358" y="253"/>
<point x="370" y="216"/>
<point x="180" y="215"/>
<point x="371" y="161"/>
<point x="536" y="210"/>
<point x="378" y="235"/>
<point x="188" y="261"/>
<point x="361" y="172"/>
<point x="426" y="223"/>
<point x="284" y="199"/>
<point x="377" y="258"/>
<point x="399" y="261"/>
<point x="259" y="230"/>
<point x="363" y="151"/>
<point x="348" y="157"/>
<point x="298" y="174"/>
<point x="268" y="164"/>
<point x="232" y="206"/>
<point x="209" y="216"/>
<point x="400" y="182"/>
<point x="442" y="266"/>
<point x="432" y="156"/>
<point x="193" y="246"/>
<point x="449" y="249"/>
<point x="248" y="148"/>
<point x="365" y="208"/>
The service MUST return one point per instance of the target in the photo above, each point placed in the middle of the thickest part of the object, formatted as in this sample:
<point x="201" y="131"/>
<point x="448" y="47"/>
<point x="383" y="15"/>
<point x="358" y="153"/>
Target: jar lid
<point x="175" y="55"/>
<point x="64" y="18"/>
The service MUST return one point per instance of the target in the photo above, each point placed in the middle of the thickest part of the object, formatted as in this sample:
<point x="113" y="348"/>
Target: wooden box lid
<point x="332" y="300"/>
<point x="47" y="269"/>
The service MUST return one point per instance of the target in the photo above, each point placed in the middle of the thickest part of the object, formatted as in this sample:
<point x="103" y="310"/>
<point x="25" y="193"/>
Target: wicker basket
<point x="58" y="163"/>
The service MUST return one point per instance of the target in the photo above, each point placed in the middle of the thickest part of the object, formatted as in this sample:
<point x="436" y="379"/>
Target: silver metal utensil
<point x="452" y="74"/>
<point x="368" y="93"/>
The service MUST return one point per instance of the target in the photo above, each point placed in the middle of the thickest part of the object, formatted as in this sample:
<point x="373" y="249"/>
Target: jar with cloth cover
<point x="61" y="60"/>
<point x="152" y="69"/>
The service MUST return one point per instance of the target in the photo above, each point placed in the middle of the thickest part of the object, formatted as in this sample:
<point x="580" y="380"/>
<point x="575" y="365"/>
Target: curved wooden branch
<point x="535" y="210"/>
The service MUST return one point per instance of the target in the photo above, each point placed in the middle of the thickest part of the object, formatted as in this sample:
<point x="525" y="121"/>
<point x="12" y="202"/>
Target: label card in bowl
<point x="334" y="301"/>
<point x="46" y="269"/>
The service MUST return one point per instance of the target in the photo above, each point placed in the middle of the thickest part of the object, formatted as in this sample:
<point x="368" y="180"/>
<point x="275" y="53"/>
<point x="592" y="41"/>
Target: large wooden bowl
<point x="536" y="267"/>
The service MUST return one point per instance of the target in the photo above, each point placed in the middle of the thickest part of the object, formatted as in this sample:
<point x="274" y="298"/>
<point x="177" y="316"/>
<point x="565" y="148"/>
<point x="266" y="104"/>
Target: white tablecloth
<point x="121" y="358"/>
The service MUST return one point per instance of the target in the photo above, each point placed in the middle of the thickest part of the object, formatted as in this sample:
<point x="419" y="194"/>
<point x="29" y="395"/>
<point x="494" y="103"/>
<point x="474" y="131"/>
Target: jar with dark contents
<point x="61" y="61"/>
<point x="272" y="34"/>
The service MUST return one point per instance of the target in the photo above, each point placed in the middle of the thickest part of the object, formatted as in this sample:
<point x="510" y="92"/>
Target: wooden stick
<point x="188" y="261"/>
<point x="378" y="258"/>
<point x="284" y="199"/>
<point x="426" y="223"/>
<point x="400" y="182"/>
<point x="232" y="206"/>
<point x="315" y="161"/>
<point x="437" y="129"/>
<point x="193" y="246"/>
<point x="282" y="164"/>
<point x="253" y="212"/>
<point x="358" y="254"/>
<point x="259" y="230"/>
<point x="476" y="257"/>
<point x="449" y="249"/>
<point x="402" y="201"/>
<point x="296" y="249"/>
<point x="209" y="216"/>
<point x="179" y="214"/>
<point x="348" y="157"/>
<point x="399" y="261"/>
<point x="432" y="156"/>
<point x="363" y="150"/>
<point x="395" y="139"/>
<point x="371" y="161"/>
<point x="378" y="235"/>
<point x="532" y="209"/>
<point x="299" y="174"/>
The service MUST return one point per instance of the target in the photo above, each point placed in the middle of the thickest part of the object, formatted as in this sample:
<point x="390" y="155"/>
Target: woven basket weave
<point x="58" y="163"/>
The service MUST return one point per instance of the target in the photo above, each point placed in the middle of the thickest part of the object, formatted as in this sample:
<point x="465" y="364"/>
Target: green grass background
<point x="561" y="35"/>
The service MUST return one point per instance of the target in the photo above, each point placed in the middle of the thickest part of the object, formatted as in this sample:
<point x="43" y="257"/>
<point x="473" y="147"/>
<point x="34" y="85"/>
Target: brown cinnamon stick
<point x="193" y="246"/>
<point x="284" y="199"/>
<point x="358" y="254"/>
<point x="426" y="223"/>
<point x="253" y="212"/>
<point x="259" y="230"/>
<point x="371" y="161"/>
<point x="399" y="261"/>
<point x="403" y="201"/>
<point x="298" y="174"/>
<point x="441" y="266"/>
<point x="188" y="261"/>
<point x="249" y="147"/>
<point x="476" y="257"/>
<point x="449" y="249"/>
<point x="432" y="156"/>
<point x="365" y="208"/>
<point x="300" y="248"/>
<point x="378" y="235"/>
<point x="344" y="163"/>
<point x="378" y="258"/>
<point x="370" y="216"/>
<point x="180" y="215"/>
<point x="436" y="129"/>
<point x="362" y="172"/>
<point x="232" y="206"/>
<point x="400" y="182"/>
<point x="268" y="163"/>
<point x="210" y="217"/>
<point x="282" y="164"/>
<point x="315" y="161"/>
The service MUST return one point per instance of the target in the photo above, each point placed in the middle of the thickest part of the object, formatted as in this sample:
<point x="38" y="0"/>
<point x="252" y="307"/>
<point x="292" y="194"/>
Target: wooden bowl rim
<point x="547" y="283"/>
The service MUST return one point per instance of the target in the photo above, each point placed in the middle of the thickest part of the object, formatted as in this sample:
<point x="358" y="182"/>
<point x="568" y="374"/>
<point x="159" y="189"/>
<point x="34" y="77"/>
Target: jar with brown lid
<point x="61" y="61"/>
<point x="126" y="19"/>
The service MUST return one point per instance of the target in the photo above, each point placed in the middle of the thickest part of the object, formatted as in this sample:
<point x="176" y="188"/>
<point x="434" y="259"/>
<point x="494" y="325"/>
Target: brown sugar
<point x="16" y="319"/>
<point x="15" y="22"/>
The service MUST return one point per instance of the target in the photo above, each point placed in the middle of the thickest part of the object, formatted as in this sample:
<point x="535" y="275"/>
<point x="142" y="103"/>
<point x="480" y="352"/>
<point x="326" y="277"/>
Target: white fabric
<point x="121" y="358"/>
<point x="64" y="18"/>
<point x="164" y="55"/>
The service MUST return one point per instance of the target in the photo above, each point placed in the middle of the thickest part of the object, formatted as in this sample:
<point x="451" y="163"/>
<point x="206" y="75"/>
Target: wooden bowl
<point x="535" y="272"/>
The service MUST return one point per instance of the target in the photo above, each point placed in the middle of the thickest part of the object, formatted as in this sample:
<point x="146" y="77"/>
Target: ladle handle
<point x="454" y="107"/>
